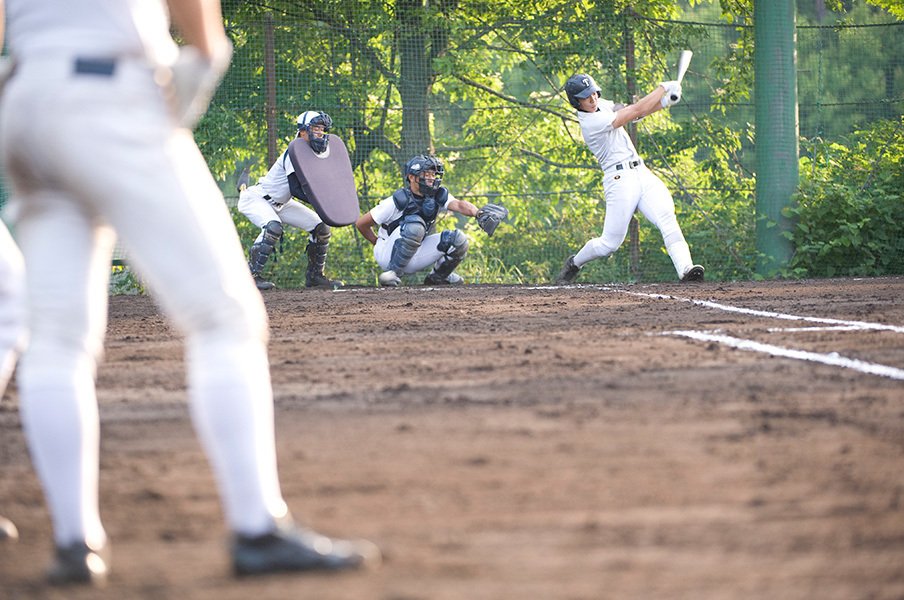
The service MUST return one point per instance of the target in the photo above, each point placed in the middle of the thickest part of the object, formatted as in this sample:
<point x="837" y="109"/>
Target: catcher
<point x="406" y="242"/>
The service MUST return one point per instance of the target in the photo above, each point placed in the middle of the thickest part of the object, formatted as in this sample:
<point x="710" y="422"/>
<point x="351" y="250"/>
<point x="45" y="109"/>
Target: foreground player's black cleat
<point x="569" y="272"/>
<point x="292" y="548"/>
<point x="695" y="273"/>
<point x="79" y="563"/>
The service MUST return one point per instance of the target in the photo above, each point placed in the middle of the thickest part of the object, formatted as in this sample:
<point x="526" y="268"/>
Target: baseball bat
<point x="684" y="61"/>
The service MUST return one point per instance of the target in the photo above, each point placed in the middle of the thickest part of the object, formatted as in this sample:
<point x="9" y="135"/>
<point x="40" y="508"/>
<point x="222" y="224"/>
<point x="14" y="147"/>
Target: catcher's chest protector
<point x="425" y="208"/>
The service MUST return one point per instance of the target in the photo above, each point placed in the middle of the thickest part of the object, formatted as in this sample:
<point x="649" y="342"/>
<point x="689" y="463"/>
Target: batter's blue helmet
<point x="580" y="86"/>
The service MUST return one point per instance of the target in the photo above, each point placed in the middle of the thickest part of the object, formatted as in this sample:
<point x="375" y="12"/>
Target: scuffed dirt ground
<point x="505" y="442"/>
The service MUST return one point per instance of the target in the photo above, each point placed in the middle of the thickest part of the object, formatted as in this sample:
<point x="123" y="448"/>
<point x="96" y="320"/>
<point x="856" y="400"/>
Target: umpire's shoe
<point x="569" y="272"/>
<point x="292" y="548"/>
<point x="694" y="273"/>
<point x="263" y="284"/>
<point x="79" y="563"/>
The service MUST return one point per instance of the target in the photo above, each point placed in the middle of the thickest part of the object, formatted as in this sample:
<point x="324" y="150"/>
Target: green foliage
<point x="851" y="205"/>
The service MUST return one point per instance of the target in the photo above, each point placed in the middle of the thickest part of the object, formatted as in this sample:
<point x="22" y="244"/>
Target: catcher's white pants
<point x="89" y="157"/>
<point x="427" y="255"/>
<point x="627" y="191"/>
<point x="260" y="211"/>
<point x="12" y="305"/>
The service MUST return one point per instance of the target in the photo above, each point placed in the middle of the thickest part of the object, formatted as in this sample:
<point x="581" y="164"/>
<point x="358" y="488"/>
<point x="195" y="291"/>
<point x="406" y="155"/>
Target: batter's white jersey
<point x="386" y="212"/>
<point x="609" y="145"/>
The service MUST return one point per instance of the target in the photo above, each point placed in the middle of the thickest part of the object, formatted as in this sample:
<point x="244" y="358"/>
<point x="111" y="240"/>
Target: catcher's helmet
<point x="313" y="117"/>
<point x="419" y="165"/>
<point x="580" y="86"/>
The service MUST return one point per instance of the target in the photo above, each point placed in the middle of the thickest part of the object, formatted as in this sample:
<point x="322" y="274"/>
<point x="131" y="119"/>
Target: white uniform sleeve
<point x="385" y="212"/>
<point x="448" y="200"/>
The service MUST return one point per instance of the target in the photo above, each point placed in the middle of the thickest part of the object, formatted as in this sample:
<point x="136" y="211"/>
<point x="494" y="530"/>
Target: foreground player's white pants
<point x="91" y="157"/>
<point x="630" y="190"/>
<point x="12" y="304"/>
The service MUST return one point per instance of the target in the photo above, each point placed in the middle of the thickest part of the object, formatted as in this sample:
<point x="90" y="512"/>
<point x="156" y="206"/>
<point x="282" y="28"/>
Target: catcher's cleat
<point x="437" y="279"/>
<point x="389" y="279"/>
<point x="8" y="530"/>
<point x="694" y="273"/>
<point x="80" y="564"/>
<point x="569" y="272"/>
<point x="263" y="284"/>
<point x="292" y="548"/>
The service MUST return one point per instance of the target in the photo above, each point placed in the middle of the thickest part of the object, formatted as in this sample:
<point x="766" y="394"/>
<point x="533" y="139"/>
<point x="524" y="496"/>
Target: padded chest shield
<point x="425" y="208"/>
<point x="327" y="180"/>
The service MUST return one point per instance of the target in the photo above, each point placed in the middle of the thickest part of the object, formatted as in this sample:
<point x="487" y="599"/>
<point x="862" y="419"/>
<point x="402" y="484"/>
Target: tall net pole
<point x="775" y="97"/>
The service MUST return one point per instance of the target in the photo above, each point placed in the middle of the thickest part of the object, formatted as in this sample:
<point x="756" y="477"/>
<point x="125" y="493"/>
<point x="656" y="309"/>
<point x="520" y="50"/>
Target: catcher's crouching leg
<point x="413" y="231"/>
<point x="454" y="244"/>
<point x="261" y="251"/>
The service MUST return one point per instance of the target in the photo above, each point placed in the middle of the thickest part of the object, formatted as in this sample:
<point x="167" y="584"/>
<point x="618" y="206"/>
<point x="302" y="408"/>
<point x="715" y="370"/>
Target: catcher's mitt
<point x="490" y="216"/>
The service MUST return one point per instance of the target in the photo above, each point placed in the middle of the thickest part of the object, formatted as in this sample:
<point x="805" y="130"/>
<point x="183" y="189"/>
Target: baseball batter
<point x="272" y="203"/>
<point x="95" y="137"/>
<point x="627" y="183"/>
<point x="405" y="243"/>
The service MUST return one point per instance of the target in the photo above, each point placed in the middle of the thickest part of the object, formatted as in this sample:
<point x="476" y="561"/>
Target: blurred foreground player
<point x="106" y="82"/>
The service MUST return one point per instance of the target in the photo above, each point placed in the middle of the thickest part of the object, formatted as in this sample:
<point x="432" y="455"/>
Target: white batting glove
<point x="672" y="93"/>
<point x="193" y="82"/>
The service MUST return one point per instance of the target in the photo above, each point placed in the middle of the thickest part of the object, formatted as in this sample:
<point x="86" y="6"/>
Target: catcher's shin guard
<point x="412" y="234"/>
<point x="454" y="244"/>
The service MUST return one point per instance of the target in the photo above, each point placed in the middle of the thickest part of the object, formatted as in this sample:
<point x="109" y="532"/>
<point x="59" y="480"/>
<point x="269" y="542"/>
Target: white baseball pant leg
<point x="259" y="211"/>
<point x="124" y="167"/>
<point x="12" y="305"/>
<point x="627" y="191"/>
<point x="427" y="255"/>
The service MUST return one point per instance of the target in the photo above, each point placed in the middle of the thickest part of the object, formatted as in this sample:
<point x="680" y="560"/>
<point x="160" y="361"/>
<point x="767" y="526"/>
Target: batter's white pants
<point x="427" y="255"/>
<point x="12" y="305"/>
<point x="90" y="157"/>
<point x="260" y="211"/>
<point x="627" y="191"/>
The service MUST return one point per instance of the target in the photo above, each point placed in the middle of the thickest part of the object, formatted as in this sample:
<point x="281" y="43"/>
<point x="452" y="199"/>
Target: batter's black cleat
<point x="8" y="530"/>
<point x="80" y="564"/>
<point x="569" y="272"/>
<point x="263" y="284"/>
<point x="437" y="279"/>
<point x="695" y="273"/>
<point x="292" y="548"/>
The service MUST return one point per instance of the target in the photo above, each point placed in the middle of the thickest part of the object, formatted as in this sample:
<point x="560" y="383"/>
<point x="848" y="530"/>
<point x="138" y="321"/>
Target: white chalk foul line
<point x="775" y="315"/>
<point x="832" y="358"/>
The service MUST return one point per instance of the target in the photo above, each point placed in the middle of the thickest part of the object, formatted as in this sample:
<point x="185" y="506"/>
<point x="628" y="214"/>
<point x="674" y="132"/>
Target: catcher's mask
<point x="318" y="140"/>
<point x="580" y="86"/>
<point x="419" y="166"/>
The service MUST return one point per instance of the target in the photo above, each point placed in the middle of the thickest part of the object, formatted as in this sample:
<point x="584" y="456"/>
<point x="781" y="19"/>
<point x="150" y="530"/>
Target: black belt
<point x="631" y="165"/>
<point x="103" y="67"/>
<point x="267" y="197"/>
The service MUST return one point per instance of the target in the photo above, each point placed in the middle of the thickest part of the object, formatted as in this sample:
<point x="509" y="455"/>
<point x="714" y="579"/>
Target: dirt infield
<point x="523" y="443"/>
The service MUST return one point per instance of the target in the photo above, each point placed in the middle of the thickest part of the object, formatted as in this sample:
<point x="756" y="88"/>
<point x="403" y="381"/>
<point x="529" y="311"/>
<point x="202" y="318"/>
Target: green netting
<point x="479" y="83"/>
